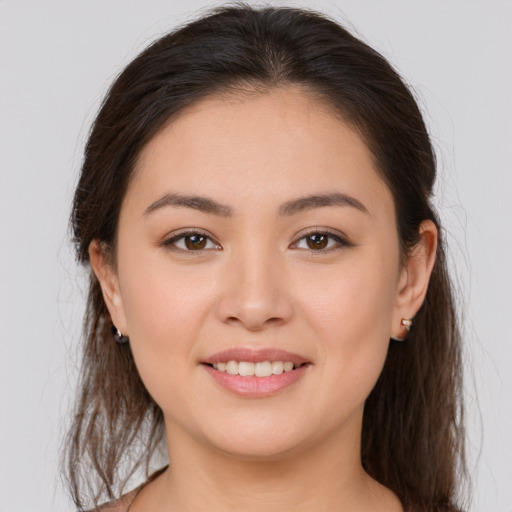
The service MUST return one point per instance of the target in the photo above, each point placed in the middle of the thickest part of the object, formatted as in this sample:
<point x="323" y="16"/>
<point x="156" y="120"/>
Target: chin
<point x="259" y="440"/>
<point x="257" y="450"/>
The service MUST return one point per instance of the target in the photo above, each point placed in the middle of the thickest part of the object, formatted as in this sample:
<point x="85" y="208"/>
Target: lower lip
<point x="256" y="387"/>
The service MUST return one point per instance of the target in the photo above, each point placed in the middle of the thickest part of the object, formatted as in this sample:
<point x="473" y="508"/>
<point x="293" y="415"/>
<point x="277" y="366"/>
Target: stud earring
<point x="406" y="323"/>
<point x="118" y="337"/>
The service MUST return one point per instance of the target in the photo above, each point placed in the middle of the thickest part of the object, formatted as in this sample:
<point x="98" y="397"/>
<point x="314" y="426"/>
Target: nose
<point x="254" y="292"/>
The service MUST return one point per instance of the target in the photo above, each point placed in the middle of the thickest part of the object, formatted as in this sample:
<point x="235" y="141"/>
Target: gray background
<point x="56" y="60"/>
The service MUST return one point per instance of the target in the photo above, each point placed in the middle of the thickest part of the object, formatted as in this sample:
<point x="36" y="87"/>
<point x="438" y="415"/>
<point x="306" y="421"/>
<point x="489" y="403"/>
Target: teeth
<point x="263" y="369"/>
<point x="247" y="369"/>
<point x="277" y="367"/>
<point x="232" y="367"/>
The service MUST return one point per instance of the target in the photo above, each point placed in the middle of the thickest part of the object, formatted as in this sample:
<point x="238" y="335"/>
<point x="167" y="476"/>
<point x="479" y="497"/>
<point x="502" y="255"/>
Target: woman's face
<point x="256" y="225"/>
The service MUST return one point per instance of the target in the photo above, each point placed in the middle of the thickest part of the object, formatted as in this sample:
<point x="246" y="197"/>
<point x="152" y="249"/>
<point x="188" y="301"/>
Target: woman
<point x="269" y="292"/>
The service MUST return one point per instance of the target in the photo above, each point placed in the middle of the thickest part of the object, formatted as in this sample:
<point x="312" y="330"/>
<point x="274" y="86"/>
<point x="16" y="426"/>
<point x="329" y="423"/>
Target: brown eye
<point x="195" y="242"/>
<point x="317" y="241"/>
<point x="191" y="241"/>
<point x="320" y="241"/>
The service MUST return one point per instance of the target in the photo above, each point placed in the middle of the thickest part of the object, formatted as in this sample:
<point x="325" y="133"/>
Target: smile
<point x="256" y="373"/>
<point x="261" y="369"/>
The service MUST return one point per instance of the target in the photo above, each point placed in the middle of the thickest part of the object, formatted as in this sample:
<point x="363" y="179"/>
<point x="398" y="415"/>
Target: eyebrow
<point x="203" y="204"/>
<point x="318" y="201"/>
<point x="207" y="205"/>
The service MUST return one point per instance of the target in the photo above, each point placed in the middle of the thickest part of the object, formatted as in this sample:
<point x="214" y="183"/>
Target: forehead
<point x="274" y="145"/>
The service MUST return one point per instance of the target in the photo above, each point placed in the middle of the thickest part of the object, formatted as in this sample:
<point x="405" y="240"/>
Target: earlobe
<point x="107" y="277"/>
<point x="414" y="279"/>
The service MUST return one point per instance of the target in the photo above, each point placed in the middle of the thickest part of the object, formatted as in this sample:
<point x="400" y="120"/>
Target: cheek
<point x="162" y="300"/>
<point x="351" y="313"/>
<point x="165" y="309"/>
<point x="353" y="300"/>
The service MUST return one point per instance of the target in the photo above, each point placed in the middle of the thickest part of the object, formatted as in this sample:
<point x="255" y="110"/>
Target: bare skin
<point x="291" y="483"/>
<point x="258" y="266"/>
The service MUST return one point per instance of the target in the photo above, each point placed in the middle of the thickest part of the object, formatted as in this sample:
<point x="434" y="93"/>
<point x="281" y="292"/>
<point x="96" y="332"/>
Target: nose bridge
<point x="254" y="292"/>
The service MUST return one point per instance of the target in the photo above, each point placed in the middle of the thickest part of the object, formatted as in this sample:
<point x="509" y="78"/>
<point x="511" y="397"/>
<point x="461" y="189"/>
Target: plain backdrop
<point x="57" y="59"/>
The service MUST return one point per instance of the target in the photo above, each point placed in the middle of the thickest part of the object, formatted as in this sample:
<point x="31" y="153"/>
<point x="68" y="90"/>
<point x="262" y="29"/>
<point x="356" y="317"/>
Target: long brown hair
<point x="413" y="437"/>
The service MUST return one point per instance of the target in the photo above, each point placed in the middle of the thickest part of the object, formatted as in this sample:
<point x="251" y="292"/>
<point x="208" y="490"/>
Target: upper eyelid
<point x="339" y="237"/>
<point x="181" y="233"/>
<point x="321" y="231"/>
<point x="188" y="231"/>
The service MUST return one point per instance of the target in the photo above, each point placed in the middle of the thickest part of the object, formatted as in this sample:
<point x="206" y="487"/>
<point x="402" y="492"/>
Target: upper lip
<point x="251" y="355"/>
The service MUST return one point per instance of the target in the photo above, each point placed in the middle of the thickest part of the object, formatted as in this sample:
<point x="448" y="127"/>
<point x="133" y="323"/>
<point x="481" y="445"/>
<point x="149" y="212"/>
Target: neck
<point x="323" y="477"/>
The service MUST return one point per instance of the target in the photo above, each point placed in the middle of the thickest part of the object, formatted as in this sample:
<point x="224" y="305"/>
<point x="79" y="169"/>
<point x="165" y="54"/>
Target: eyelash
<point x="340" y="242"/>
<point x="170" y="243"/>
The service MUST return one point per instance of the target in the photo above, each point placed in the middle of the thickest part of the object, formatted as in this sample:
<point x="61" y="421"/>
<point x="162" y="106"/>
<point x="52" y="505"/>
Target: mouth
<point x="256" y="373"/>
<point x="259" y="369"/>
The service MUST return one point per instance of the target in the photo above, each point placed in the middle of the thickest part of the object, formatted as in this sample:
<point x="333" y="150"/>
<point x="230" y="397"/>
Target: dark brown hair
<point x="412" y="438"/>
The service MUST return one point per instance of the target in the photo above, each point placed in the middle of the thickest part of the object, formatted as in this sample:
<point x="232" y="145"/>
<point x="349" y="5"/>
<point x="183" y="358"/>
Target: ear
<point x="109" y="282"/>
<point x="414" y="279"/>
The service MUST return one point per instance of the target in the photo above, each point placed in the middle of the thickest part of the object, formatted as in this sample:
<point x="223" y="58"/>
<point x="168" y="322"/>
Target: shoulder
<point x="123" y="503"/>
<point x="120" y="505"/>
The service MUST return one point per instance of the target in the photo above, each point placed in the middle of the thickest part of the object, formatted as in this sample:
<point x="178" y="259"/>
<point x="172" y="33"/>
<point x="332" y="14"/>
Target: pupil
<point x="317" y="241"/>
<point x="195" y="242"/>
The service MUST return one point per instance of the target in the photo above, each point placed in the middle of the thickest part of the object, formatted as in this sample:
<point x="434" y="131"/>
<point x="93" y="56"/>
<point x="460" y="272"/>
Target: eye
<point x="189" y="241"/>
<point x="320" y="241"/>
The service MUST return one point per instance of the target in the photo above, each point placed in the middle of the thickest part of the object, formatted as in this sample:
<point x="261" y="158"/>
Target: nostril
<point x="253" y="312"/>
<point x="253" y="322"/>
